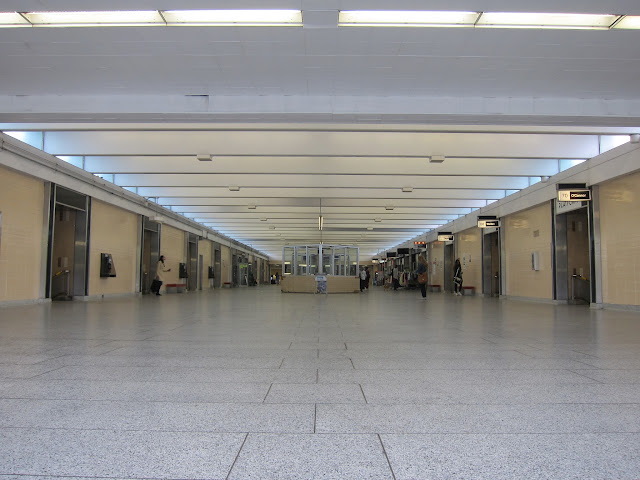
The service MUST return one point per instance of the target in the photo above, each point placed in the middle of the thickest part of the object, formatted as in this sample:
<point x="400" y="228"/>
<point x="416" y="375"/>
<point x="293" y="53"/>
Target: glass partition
<point x="352" y="261"/>
<point x="301" y="261"/>
<point x="287" y="260"/>
<point x="312" y="260"/>
<point x="336" y="260"/>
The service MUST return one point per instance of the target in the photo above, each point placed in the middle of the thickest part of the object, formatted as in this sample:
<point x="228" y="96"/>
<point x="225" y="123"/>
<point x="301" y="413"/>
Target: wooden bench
<point x="176" y="287"/>
<point x="468" y="290"/>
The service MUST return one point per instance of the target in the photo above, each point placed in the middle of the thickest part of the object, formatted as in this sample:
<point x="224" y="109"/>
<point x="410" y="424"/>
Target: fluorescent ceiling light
<point x="389" y="207"/>
<point x="234" y="188"/>
<point x="372" y="18"/>
<point x="436" y="158"/>
<point x="378" y="220"/>
<point x="546" y="20"/>
<point x="252" y="207"/>
<point x="13" y="19"/>
<point x="234" y="17"/>
<point x="628" y="22"/>
<point x="407" y="189"/>
<point x="94" y="19"/>
<point x="204" y="157"/>
<point x="153" y="18"/>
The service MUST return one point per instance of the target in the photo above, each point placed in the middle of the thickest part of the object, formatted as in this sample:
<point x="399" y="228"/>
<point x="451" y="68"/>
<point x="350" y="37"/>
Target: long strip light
<point x="152" y="18"/>
<point x="374" y="18"/>
<point x="371" y="18"/>
<point x="353" y="18"/>
<point x="547" y="20"/>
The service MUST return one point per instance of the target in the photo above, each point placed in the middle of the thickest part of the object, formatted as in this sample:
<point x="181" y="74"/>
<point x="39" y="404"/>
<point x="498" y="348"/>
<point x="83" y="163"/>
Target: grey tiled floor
<point x="255" y="384"/>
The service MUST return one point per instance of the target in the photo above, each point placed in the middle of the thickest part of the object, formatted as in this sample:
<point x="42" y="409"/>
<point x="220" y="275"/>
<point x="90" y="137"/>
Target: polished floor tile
<point x="250" y="383"/>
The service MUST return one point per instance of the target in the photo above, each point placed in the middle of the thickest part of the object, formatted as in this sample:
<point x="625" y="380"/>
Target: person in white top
<point x="160" y="271"/>
<point x="363" y="278"/>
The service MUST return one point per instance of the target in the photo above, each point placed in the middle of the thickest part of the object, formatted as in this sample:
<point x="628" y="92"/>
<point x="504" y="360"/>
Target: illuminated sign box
<point x="445" y="237"/>
<point x="488" y="222"/>
<point x="574" y="195"/>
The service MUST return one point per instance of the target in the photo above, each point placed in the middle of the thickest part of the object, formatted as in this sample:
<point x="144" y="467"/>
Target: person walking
<point x="423" y="276"/>
<point x="368" y="280"/>
<point x="160" y="271"/>
<point x="363" y="278"/>
<point x="457" y="278"/>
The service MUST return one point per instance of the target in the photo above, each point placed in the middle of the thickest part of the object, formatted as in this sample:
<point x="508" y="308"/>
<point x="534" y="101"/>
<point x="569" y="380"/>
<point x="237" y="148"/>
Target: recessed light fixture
<point x="151" y="18"/>
<point x="628" y="22"/>
<point x="251" y="207"/>
<point x="204" y="157"/>
<point x="369" y="228"/>
<point x="407" y="189"/>
<point x="263" y="219"/>
<point x="390" y="18"/>
<point x="545" y="20"/>
<point x="377" y="220"/>
<point x="236" y="18"/>
<point x="234" y="188"/>
<point x="436" y="158"/>
<point x="389" y="207"/>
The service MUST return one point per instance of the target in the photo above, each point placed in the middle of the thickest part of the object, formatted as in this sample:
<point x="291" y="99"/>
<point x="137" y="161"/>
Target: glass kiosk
<point x="338" y="264"/>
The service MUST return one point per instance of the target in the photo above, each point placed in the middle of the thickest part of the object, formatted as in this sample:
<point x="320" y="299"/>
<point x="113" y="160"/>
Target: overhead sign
<point x="574" y="195"/>
<point x="445" y="237"/>
<point x="488" y="223"/>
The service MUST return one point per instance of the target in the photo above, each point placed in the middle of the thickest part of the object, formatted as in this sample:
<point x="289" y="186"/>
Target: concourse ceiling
<point x="349" y="123"/>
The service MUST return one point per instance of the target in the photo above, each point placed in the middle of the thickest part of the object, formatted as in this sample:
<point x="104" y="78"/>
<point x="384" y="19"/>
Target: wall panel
<point x="620" y="234"/>
<point x="528" y="232"/>
<point x="114" y="231"/>
<point x="21" y="204"/>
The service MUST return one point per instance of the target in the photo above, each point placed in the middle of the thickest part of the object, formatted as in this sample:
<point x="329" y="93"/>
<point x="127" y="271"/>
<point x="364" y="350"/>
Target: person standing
<point x="368" y="277"/>
<point x="160" y="271"/>
<point x="395" y="275"/>
<point x="363" y="278"/>
<point x="457" y="278"/>
<point x="422" y="274"/>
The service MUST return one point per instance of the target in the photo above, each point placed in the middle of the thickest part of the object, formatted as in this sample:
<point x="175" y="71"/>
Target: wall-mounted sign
<point x="494" y="223"/>
<point x="573" y="192"/>
<point x="575" y="195"/>
<point x="445" y="237"/>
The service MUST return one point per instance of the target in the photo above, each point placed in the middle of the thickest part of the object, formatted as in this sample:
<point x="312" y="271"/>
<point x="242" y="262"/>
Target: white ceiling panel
<point x="339" y="117"/>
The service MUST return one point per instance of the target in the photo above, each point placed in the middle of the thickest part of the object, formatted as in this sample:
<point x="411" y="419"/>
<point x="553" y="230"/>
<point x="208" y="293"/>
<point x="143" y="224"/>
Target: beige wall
<point x="172" y="245"/>
<point x="205" y="248"/>
<point x="469" y="245"/>
<point x="436" y="264"/>
<point x="620" y="235"/>
<point x="527" y="232"/>
<point x="225" y="264"/>
<point x="22" y="206"/>
<point x="114" y="231"/>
